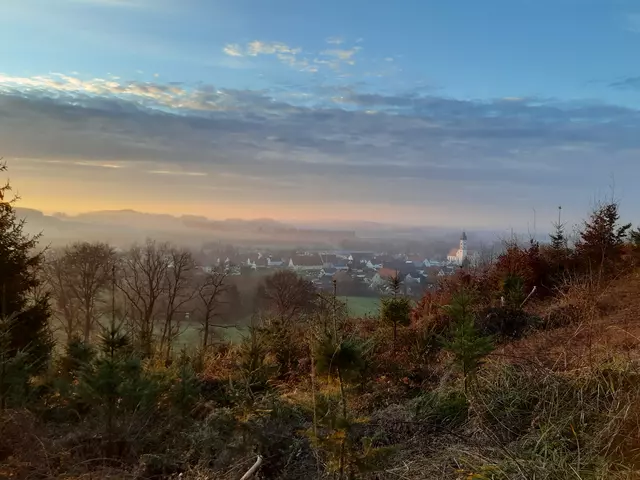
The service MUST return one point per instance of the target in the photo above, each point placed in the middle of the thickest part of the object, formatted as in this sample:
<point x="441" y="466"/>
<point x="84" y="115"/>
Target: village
<point x="354" y="272"/>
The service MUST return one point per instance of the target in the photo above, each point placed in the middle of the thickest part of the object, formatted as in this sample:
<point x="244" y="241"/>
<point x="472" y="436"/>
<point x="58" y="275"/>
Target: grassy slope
<point x="561" y="403"/>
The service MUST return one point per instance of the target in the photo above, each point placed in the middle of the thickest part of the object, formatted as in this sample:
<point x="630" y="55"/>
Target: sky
<point x="452" y="113"/>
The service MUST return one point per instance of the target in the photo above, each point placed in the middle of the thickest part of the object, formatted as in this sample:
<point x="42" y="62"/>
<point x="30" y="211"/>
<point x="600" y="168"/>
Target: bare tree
<point x="88" y="273"/>
<point x="178" y="292"/>
<point x="287" y="295"/>
<point x="143" y="284"/>
<point x="65" y="309"/>
<point x="210" y="294"/>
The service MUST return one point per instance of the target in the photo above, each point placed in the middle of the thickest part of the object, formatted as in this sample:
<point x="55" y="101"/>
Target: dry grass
<point x="587" y="322"/>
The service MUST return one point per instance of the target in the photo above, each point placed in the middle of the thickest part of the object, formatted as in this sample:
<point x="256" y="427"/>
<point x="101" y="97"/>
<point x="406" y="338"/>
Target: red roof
<point x="387" y="272"/>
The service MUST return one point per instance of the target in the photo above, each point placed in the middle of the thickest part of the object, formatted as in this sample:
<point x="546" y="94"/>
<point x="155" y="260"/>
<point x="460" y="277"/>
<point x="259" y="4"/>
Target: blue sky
<point x="456" y="112"/>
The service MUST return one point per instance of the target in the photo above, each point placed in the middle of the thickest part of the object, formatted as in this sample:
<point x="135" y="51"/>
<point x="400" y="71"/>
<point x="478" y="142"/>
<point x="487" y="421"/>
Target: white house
<point x="306" y="262"/>
<point x="275" y="262"/>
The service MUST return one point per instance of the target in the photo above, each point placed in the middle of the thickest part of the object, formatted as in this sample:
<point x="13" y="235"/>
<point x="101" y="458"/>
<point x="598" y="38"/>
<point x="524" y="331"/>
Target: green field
<point x="191" y="336"/>
<point x="362" y="306"/>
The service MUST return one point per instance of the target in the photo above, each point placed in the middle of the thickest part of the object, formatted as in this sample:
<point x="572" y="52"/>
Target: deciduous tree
<point x="142" y="281"/>
<point x="287" y="296"/>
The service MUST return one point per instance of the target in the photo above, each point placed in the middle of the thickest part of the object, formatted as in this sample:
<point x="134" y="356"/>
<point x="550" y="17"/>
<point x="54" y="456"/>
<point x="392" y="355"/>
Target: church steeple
<point x="463" y="247"/>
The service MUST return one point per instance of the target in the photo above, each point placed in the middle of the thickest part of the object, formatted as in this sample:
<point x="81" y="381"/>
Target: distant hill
<point x="123" y="227"/>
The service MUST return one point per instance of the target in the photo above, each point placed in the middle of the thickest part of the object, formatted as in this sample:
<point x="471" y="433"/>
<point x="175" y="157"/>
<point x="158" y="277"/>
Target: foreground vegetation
<point x="454" y="387"/>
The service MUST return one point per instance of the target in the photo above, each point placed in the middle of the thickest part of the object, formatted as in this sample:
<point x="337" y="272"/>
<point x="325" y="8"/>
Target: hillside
<point x="603" y="321"/>
<point x="525" y="368"/>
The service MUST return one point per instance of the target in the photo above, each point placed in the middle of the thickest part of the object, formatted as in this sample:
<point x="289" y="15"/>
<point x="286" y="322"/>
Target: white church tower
<point x="459" y="255"/>
<point x="462" y="252"/>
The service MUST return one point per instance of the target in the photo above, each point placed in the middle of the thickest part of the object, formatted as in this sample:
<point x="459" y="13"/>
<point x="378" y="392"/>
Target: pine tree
<point x="396" y="310"/>
<point x="602" y="238"/>
<point x="186" y="389"/>
<point x="27" y="317"/>
<point x="634" y="236"/>
<point x="559" y="242"/>
<point x="115" y="386"/>
<point x="341" y="359"/>
<point x="14" y="374"/>
<point x="468" y="346"/>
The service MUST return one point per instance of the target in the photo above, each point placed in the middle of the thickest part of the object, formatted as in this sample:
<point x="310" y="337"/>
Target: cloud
<point x="331" y="58"/>
<point x="270" y="48"/>
<point x="627" y="83"/>
<point x="112" y="3"/>
<point x="415" y="149"/>
<point x="178" y="173"/>
<point x="283" y="52"/>
<point x="97" y="164"/>
<point x="233" y="50"/>
<point x="633" y="22"/>
<point x="335" y="40"/>
<point x="336" y="58"/>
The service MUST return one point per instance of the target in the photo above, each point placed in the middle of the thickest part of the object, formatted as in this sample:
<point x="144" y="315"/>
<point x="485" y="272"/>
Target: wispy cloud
<point x="178" y="173"/>
<point x="335" y="40"/>
<point x="270" y="48"/>
<point x="113" y="3"/>
<point x="283" y="52"/>
<point x="233" y="50"/>
<point x="332" y="58"/>
<point x="633" y="22"/>
<point x="627" y="83"/>
<point x="97" y="164"/>
<point x="336" y="58"/>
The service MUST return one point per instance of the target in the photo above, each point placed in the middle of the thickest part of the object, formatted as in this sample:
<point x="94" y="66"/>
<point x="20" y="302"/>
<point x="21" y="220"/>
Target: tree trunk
<point x="87" y="326"/>
<point x="205" y="340"/>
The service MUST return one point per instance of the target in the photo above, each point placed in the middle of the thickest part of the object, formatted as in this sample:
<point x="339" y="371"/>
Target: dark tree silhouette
<point x="287" y="296"/>
<point x="602" y="238"/>
<point x="27" y="327"/>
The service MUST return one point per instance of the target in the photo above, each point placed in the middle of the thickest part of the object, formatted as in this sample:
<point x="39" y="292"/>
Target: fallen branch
<point x="253" y="469"/>
<point x="529" y="296"/>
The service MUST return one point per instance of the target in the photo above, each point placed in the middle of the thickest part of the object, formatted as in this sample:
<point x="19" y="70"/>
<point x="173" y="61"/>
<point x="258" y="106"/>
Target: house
<point x="275" y="262"/>
<point x="328" y="272"/>
<point x="341" y="265"/>
<point x="328" y="259"/>
<point x="360" y="258"/>
<point x="435" y="272"/>
<point x="402" y="267"/>
<point x="306" y="262"/>
<point x="417" y="260"/>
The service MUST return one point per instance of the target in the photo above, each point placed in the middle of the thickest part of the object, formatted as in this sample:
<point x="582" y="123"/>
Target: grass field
<point x="191" y="336"/>
<point x="362" y="306"/>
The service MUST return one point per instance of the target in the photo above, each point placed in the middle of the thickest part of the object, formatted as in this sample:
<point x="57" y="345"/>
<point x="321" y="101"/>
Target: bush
<point x="448" y="408"/>
<point x="506" y="323"/>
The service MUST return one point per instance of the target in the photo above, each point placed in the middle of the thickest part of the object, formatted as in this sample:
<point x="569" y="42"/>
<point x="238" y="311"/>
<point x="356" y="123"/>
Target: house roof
<point x="453" y="252"/>
<point x="306" y="260"/>
<point x="329" y="258"/>
<point x="361" y="256"/>
<point x="387" y="272"/>
<point x="401" y="266"/>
